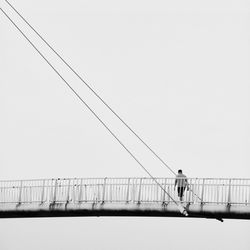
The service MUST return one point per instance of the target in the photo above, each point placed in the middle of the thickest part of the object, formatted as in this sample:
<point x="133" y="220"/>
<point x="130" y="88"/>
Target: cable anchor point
<point x="182" y="210"/>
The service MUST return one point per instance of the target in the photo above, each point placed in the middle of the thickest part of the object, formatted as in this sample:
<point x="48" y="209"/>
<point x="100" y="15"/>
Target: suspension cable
<point x="180" y="207"/>
<point x="92" y="90"/>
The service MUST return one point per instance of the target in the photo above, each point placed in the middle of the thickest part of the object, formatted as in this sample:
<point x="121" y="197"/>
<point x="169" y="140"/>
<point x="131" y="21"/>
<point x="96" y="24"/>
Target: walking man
<point x="182" y="183"/>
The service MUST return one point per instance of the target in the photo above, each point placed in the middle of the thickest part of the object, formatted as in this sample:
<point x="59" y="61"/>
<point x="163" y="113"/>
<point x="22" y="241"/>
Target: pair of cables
<point x="181" y="208"/>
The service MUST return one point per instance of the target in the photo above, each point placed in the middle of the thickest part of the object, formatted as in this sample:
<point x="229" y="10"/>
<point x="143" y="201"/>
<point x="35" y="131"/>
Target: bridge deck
<point x="206" y="197"/>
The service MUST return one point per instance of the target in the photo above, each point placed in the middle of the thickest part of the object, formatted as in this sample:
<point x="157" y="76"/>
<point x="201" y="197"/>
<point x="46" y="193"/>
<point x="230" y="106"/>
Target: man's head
<point x="179" y="171"/>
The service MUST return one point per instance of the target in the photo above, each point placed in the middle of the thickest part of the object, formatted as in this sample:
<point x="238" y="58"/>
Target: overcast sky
<point x="176" y="71"/>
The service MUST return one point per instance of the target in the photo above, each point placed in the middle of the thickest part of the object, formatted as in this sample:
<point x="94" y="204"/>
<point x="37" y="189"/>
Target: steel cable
<point x="181" y="208"/>
<point x="92" y="90"/>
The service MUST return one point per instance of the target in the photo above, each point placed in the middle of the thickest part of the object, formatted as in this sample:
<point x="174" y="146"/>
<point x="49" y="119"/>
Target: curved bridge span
<point x="204" y="198"/>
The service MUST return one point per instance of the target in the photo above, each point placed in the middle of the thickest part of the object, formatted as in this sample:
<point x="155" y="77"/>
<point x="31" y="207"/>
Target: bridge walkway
<point x="206" y="197"/>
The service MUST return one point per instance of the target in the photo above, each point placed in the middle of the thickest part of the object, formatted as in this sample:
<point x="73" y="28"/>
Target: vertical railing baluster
<point x="68" y="191"/>
<point x="196" y="191"/>
<point x="168" y="193"/>
<point x="128" y="186"/>
<point x="229" y="193"/>
<point x="164" y="192"/>
<point x="80" y="192"/>
<point x="55" y="190"/>
<point x="74" y="190"/>
<point x="217" y="191"/>
<point x="248" y="185"/>
<point x="190" y="190"/>
<point x="42" y="195"/>
<point x="85" y="192"/>
<point x="202" y="190"/>
<point x="104" y="187"/>
<point x="111" y="190"/>
<point x="50" y="186"/>
<point x="139" y="192"/>
<point x="20" y="192"/>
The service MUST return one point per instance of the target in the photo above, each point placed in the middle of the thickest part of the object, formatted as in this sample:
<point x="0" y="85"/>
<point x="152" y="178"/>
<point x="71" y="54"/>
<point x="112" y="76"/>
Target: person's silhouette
<point x="181" y="182"/>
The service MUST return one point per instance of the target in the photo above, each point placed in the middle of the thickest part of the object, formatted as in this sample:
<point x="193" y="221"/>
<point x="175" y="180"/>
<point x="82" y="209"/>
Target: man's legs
<point x="180" y="193"/>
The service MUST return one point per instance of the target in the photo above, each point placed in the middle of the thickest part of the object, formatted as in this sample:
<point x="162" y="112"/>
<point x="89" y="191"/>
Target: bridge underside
<point x="140" y="210"/>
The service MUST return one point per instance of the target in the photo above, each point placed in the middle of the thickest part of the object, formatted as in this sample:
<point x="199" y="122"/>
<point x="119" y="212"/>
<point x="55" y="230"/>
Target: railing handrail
<point x="125" y="178"/>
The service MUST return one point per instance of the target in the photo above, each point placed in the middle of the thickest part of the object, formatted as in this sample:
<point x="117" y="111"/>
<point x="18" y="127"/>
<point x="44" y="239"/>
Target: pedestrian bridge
<point x="206" y="198"/>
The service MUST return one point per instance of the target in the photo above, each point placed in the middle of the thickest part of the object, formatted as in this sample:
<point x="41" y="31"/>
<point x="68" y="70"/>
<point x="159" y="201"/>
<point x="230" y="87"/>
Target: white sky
<point x="176" y="71"/>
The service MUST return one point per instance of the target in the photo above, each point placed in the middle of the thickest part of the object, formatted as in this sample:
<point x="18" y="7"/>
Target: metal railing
<point x="126" y="190"/>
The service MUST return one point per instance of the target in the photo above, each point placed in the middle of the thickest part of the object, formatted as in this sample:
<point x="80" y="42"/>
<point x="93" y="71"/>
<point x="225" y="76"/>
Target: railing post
<point x="98" y="193"/>
<point x="42" y="195"/>
<point x="229" y="193"/>
<point x="168" y="193"/>
<point x="80" y="192"/>
<point x="104" y="187"/>
<point x="30" y="195"/>
<point x="127" y="199"/>
<point x="67" y="199"/>
<point x="110" y="191"/>
<point x="55" y="190"/>
<point x="20" y="192"/>
<point x="164" y="192"/>
<point x="202" y="190"/>
<point x="139" y="193"/>
<point x="86" y="199"/>
<point x="190" y="190"/>
<point x="217" y="192"/>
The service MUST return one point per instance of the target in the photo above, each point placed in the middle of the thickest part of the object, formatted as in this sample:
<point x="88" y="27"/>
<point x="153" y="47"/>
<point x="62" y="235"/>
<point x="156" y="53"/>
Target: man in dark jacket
<point x="181" y="182"/>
